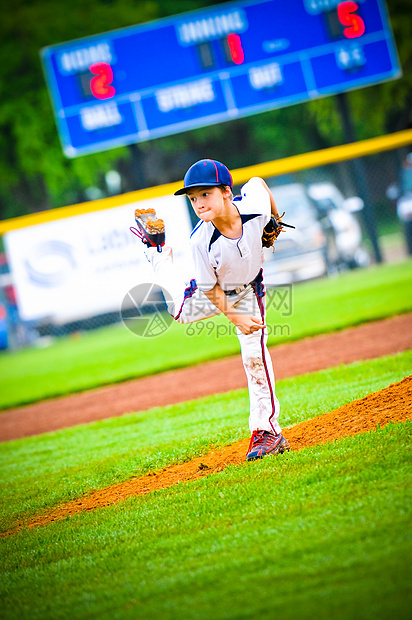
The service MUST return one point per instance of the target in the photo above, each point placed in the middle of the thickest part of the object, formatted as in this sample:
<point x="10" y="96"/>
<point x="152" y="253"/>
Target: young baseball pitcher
<point x="227" y="252"/>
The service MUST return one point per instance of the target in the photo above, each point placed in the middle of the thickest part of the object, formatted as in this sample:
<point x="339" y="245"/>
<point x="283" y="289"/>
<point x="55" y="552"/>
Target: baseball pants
<point x="188" y="304"/>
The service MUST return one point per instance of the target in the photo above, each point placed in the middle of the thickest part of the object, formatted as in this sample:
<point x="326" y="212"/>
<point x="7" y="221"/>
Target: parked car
<point x="300" y="253"/>
<point x="327" y="236"/>
<point x="342" y="229"/>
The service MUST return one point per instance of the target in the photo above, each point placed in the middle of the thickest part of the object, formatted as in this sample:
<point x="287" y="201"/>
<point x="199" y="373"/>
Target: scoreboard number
<point x="100" y="85"/>
<point x="347" y="17"/>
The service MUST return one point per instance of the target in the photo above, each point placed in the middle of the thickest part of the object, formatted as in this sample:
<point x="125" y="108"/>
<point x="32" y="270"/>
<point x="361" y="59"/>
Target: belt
<point x="236" y="291"/>
<point x="239" y="289"/>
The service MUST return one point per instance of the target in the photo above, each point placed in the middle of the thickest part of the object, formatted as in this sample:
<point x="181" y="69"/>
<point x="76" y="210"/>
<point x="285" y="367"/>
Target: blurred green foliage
<point x="35" y="175"/>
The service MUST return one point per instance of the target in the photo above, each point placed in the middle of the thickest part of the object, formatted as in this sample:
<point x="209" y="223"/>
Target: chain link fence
<point x="380" y="180"/>
<point x="371" y="195"/>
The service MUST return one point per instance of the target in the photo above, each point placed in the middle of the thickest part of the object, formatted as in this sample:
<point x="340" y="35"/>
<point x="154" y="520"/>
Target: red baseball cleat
<point x="263" y="443"/>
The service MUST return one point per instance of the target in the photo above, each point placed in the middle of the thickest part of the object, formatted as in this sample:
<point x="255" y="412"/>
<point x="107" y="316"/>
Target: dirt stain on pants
<point x="255" y="369"/>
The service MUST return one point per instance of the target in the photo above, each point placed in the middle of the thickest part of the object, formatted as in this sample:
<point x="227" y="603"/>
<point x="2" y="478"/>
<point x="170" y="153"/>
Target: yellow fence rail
<point x="268" y="169"/>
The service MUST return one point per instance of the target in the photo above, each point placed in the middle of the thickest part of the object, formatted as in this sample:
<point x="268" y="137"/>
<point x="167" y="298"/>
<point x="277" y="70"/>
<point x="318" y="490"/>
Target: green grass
<point x="115" y="354"/>
<point x="40" y="472"/>
<point x="322" y="533"/>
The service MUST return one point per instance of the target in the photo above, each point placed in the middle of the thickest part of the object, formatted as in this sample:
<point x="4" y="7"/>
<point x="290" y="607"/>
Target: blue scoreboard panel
<point x="203" y="67"/>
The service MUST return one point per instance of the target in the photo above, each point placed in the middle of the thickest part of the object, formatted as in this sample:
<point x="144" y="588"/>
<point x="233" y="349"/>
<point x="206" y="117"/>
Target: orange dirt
<point x="393" y="404"/>
<point x="357" y="343"/>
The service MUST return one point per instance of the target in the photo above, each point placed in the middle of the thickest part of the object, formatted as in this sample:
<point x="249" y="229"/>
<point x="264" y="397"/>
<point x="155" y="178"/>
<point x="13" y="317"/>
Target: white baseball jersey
<point x="232" y="262"/>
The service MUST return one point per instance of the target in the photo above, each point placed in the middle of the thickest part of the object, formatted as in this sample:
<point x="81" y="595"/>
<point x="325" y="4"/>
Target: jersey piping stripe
<point x="217" y="233"/>
<point x="198" y="225"/>
<point x="246" y="217"/>
<point x="214" y="237"/>
<point x="250" y="216"/>
<point x="189" y="292"/>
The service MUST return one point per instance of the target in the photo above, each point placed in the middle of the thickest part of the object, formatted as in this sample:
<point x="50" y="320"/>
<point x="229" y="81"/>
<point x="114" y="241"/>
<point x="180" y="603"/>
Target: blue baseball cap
<point x="206" y="173"/>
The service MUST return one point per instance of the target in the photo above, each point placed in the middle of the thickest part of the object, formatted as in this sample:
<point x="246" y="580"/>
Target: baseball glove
<point x="272" y="230"/>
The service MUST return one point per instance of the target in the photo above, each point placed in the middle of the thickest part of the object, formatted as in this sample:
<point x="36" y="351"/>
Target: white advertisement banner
<point x="84" y="265"/>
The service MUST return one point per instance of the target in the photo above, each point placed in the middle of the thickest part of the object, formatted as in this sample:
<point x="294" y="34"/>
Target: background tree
<point x="34" y="173"/>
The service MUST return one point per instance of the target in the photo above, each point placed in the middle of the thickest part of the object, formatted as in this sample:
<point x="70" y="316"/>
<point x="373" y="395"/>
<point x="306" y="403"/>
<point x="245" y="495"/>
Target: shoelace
<point x="137" y="232"/>
<point x="144" y="238"/>
<point x="255" y="434"/>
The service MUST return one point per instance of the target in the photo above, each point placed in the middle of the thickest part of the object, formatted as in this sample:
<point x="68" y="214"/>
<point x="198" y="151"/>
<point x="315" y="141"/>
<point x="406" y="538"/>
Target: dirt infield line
<point x="366" y="341"/>
<point x="392" y="404"/>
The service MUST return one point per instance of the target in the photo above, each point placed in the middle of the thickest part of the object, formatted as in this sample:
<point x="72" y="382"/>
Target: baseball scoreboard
<point x="218" y="63"/>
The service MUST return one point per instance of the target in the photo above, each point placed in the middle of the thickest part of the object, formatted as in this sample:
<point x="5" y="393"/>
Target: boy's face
<point x="208" y="202"/>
